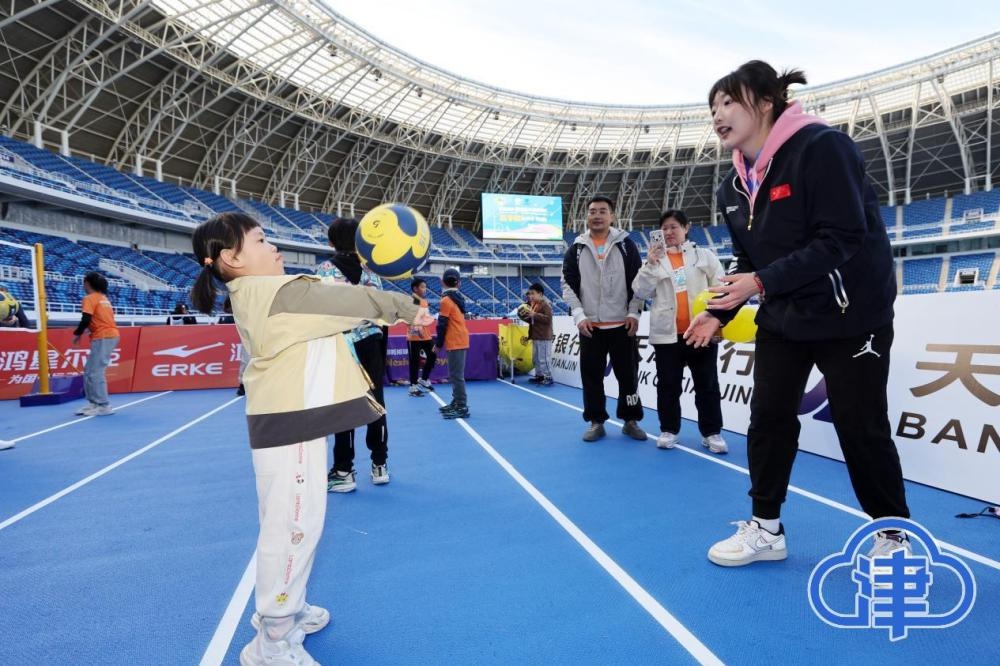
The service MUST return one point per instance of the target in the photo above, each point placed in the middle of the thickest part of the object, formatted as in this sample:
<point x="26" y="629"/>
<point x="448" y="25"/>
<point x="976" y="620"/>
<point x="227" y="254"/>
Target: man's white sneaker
<point x="313" y="618"/>
<point x="751" y="543"/>
<point x="286" y="652"/>
<point x="86" y="409"/>
<point x="666" y="440"/>
<point x="102" y="410"/>
<point x="715" y="444"/>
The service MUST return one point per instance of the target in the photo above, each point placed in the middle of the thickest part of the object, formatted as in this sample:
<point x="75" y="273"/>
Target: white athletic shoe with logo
<point x="666" y="440"/>
<point x="715" y="444"/>
<point x="313" y="619"/>
<point x="888" y="542"/>
<point x="285" y="652"/>
<point x="751" y="543"/>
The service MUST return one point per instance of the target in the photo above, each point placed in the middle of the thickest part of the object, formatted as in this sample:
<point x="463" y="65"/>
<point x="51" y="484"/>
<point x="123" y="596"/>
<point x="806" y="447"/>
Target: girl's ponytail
<point x="222" y="232"/>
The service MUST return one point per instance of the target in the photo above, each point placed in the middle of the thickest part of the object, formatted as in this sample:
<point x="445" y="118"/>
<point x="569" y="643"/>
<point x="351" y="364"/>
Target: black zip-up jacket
<point x="817" y="241"/>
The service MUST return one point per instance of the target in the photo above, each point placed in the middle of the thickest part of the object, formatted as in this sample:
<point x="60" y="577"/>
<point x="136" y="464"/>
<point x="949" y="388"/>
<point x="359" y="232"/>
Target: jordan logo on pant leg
<point x="867" y="348"/>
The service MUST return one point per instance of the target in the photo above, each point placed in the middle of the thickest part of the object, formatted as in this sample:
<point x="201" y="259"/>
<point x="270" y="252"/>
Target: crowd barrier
<point x="163" y="358"/>
<point x="944" y="390"/>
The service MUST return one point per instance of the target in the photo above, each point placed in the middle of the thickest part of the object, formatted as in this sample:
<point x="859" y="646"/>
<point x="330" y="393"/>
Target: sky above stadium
<point x="669" y="52"/>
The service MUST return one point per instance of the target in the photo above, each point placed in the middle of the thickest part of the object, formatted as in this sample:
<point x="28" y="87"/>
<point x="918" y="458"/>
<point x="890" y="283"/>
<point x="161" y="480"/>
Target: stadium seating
<point x="150" y="281"/>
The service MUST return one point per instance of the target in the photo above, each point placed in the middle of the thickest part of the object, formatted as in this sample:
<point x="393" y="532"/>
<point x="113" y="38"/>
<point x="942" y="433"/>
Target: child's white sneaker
<point x="313" y="618"/>
<point x="288" y="651"/>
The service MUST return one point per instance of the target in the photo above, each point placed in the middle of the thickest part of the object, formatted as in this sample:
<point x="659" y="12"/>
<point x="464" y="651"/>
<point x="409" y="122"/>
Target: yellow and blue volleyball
<point x="8" y="305"/>
<point x="393" y="240"/>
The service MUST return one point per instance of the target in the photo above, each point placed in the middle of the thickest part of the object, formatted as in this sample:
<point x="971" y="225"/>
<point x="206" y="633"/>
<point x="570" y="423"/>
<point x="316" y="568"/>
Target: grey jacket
<point x="604" y="285"/>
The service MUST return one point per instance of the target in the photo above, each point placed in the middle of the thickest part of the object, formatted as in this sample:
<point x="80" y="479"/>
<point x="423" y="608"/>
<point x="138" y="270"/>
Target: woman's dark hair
<point x="341" y="234"/>
<point x="96" y="281"/>
<point x="677" y="215"/>
<point x="223" y="232"/>
<point x="537" y="287"/>
<point x="416" y="282"/>
<point x="755" y="82"/>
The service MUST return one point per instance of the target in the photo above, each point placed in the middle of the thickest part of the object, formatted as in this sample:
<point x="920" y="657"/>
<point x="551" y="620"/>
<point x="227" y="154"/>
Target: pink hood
<point x="789" y="122"/>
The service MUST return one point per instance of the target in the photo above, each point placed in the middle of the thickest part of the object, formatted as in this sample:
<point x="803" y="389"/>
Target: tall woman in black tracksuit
<point x="809" y="240"/>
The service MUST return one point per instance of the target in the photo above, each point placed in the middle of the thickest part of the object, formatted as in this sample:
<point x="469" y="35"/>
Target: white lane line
<point x="87" y="418"/>
<point x="688" y="641"/>
<point x="223" y="636"/>
<point x="79" y="484"/>
<point x="958" y="550"/>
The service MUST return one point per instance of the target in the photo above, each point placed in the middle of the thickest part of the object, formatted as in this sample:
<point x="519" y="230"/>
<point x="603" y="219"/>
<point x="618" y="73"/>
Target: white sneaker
<point x="6" y="444"/>
<point x="424" y="384"/>
<point x="715" y="444"/>
<point x="887" y="543"/>
<point x="380" y="474"/>
<point x="666" y="440"/>
<point x="286" y="652"/>
<point x="751" y="543"/>
<point x="85" y="410"/>
<point x="312" y="619"/>
<point x="102" y="410"/>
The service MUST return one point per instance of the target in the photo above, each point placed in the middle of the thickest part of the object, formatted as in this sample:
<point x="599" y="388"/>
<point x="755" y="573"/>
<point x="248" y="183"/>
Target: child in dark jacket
<point x="538" y="314"/>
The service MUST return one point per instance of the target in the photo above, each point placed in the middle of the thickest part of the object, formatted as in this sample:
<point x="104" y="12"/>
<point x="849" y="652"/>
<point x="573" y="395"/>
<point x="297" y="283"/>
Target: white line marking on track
<point x="223" y="636"/>
<point x="87" y="418"/>
<point x="958" y="550"/>
<point x="135" y="454"/>
<point x="688" y="641"/>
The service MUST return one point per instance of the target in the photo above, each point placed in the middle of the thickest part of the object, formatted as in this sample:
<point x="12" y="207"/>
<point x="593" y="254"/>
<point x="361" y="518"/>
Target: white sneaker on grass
<point x="666" y="440"/>
<point x="288" y="651"/>
<point x="751" y="543"/>
<point x="715" y="444"/>
<point x="313" y="618"/>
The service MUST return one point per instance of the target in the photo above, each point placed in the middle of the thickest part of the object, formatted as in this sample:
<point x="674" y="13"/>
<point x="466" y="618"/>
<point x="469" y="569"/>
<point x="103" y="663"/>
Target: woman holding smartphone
<point x="675" y="272"/>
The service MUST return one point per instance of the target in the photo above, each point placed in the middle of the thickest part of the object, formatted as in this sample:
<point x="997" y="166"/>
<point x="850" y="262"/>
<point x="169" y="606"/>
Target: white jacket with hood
<point x="658" y="281"/>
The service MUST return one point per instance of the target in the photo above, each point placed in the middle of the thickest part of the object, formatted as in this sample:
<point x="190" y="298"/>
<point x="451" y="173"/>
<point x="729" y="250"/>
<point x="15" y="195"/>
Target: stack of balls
<point x="393" y="241"/>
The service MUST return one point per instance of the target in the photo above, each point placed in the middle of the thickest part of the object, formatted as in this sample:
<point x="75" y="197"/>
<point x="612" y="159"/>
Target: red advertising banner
<point x="187" y="357"/>
<point x="19" y="360"/>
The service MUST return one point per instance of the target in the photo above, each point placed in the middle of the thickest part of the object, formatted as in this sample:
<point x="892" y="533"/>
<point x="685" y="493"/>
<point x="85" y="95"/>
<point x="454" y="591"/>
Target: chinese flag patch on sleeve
<point x="782" y="191"/>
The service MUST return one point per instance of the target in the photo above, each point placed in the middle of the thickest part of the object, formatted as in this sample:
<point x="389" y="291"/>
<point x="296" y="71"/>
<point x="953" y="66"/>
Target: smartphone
<point x="656" y="238"/>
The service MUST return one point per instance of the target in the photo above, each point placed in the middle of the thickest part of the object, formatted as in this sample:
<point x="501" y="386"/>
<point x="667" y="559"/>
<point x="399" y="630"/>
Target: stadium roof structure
<point x="286" y="100"/>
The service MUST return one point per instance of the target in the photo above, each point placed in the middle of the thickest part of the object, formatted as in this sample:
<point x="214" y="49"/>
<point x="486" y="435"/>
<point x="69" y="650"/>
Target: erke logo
<point x="186" y="369"/>
<point x="894" y="591"/>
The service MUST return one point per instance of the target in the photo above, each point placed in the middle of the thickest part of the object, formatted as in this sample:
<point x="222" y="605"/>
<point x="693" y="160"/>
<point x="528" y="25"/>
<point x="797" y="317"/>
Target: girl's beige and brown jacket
<point x="302" y="381"/>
